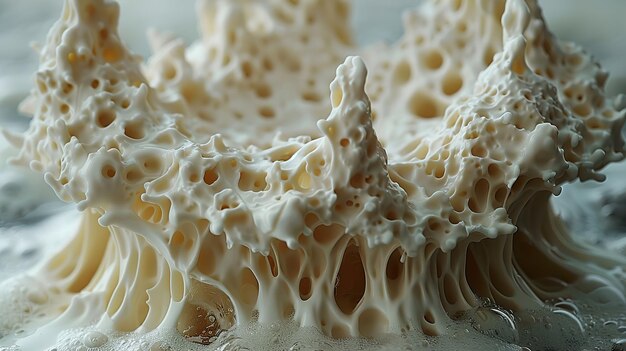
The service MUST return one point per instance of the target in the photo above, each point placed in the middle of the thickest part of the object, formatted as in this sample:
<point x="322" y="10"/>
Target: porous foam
<point x="211" y="200"/>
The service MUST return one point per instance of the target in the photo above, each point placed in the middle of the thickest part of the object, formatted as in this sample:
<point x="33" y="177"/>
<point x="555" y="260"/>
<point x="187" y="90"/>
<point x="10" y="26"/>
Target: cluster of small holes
<point x="436" y="169"/>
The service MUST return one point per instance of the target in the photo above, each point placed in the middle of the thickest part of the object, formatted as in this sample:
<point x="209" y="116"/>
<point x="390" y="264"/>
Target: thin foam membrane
<point x="214" y="196"/>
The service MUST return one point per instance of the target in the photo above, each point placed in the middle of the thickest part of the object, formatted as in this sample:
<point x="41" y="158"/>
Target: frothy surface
<point x="392" y="214"/>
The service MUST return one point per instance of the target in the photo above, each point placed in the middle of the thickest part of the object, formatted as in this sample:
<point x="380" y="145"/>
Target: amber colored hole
<point x="177" y="239"/>
<point x="147" y="213"/>
<point x="500" y="197"/>
<point x="267" y="64"/>
<point x="582" y="110"/>
<point x="488" y="56"/>
<point x="108" y="171"/>
<point x="267" y="112"/>
<point x="421" y="105"/>
<point x="305" y="288"/>
<point x="134" y="130"/>
<point x="210" y="176"/>
<point x="273" y="266"/>
<point x="263" y="91"/>
<point x="494" y="171"/>
<point x="95" y="84"/>
<point x="394" y="264"/>
<point x="344" y="142"/>
<point x="105" y="118"/>
<point x="402" y="73"/>
<point x="433" y="59"/>
<point x="311" y="96"/>
<point x="169" y="72"/>
<point x="478" y="151"/>
<point x="350" y="281"/>
<point x="452" y="83"/>
<point x="326" y="234"/>
<point x="252" y="181"/>
<point x="249" y="287"/>
<point x="519" y="65"/>
<point x="112" y="54"/>
<point x="428" y="317"/>
<point x="104" y="33"/>
<point x="247" y="69"/>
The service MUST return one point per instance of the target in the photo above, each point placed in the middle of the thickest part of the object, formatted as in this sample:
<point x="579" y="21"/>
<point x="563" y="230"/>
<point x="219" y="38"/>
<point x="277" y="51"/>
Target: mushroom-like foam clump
<point x="222" y="184"/>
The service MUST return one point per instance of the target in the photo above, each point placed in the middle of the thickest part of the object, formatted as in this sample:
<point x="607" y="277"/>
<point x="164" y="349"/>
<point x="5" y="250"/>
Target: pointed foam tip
<point x="515" y="19"/>
<point x="349" y="81"/>
<point x="28" y="106"/>
<point x="515" y="54"/>
<point x="16" y="140"/>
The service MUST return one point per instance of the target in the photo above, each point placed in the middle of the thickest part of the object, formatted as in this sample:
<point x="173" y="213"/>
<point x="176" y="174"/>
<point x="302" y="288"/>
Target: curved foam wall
<point x="223" y="184"/>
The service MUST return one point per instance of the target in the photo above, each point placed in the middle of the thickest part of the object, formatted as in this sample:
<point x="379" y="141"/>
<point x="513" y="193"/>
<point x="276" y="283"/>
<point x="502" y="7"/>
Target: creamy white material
<point x="221" y="186"/>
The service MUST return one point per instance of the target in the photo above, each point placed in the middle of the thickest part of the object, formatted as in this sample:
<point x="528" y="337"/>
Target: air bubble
<point x="569" y="310"/>
<point x="95" y="339"/>
<point x="619" y="345"/>
<point x="495" y="322"/>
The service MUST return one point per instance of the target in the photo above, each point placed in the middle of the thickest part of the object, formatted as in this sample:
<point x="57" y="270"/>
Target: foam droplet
<point x="95" y="339"/>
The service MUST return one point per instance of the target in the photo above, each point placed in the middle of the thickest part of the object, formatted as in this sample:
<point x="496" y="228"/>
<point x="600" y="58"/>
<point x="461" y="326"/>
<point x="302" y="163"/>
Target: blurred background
<point x="28" y="229"/>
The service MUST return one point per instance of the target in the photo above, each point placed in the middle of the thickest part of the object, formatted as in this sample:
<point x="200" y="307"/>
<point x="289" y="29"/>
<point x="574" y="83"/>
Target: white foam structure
<point x="222" y="184"/>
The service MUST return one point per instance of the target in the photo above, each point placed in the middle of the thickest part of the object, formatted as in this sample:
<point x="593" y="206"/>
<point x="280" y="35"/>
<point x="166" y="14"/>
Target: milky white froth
<point x="222" y="185"/>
